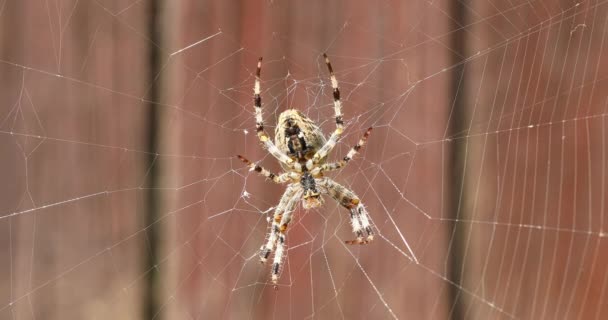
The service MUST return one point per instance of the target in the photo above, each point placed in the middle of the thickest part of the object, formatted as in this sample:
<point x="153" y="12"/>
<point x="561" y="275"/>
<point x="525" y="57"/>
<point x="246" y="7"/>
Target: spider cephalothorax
<point x="302" y="150"/>
<point x="311" y="198"/>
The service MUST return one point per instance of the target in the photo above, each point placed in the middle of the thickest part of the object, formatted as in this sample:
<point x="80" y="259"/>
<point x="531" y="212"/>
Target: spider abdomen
<point x="297" y="135"/>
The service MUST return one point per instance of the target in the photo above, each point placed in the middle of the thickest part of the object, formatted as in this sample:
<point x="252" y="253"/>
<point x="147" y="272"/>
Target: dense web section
<point x="522" y="209"/>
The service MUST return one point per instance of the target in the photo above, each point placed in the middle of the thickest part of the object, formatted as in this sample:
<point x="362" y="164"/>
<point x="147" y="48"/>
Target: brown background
<point x="121" y="198"/>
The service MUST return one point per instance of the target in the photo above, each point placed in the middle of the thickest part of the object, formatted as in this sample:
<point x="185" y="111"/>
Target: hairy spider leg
<point x="259" y="121"/>
<point x="333" y="139"/>
<point x="336" y="93"/>
<point x="287" y="203"/>
<point x="282" y="233"/>
<point x="281" y="178"/>
<point x="363" y="216"/>
<point x="359" y="216"/>
<point x="349" y="156"/>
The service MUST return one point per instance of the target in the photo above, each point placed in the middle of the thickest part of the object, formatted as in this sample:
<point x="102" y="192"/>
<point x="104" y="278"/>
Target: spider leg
<point x="333" y="139"/>
<point x="349" y="156"/>
<point x="259" y="121"/>
<point x="336" y="92"/>
<point x="280" y="246"/>
<point x="278" y="230"/>
<point x="359" y="217"/>
<point x="273" y="234"/>
<point x="281" y="178"/>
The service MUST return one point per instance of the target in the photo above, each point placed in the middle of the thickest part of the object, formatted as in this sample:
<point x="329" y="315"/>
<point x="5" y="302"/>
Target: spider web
<point x="484" y="175"/>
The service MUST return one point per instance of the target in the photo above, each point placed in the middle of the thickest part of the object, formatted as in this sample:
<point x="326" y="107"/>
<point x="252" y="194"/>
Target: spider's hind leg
<point x="259" y="121"/>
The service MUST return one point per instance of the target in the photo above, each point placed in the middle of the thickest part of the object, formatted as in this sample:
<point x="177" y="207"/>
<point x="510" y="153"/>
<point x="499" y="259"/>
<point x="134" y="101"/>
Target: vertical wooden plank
<point x="71" y="122"/>
<point x="541" y="177"/>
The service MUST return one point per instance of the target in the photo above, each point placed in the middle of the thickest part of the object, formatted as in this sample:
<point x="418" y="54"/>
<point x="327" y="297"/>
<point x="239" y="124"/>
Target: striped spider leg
<point x="349" y="156"/>
<point x="281" y="220"/>
<point x="281" y="178"/>
<point x="259" y="122"/>
<point x="359" y="217"/>
<point x="278" y="229"/>
<point x="333" y="139"/>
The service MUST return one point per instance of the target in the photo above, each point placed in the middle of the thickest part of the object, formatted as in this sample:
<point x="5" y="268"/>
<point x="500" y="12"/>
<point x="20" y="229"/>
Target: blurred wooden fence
<point x="117" y="150"/>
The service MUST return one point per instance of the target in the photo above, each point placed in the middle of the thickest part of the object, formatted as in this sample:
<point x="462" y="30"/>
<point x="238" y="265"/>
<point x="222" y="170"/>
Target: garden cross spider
<point x="302" y="150"/>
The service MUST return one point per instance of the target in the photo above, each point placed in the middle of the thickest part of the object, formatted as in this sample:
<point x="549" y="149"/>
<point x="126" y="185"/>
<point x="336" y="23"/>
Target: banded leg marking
<point x="282" y="234"/>
<point x="335" y="136"/>
<point x="281" y="178"/>
<point x="359" y="216"/>
<point x="349" y="156"/>
<point x="336" y="94"/>
<point x="286" y="202"/>
<point x="363" y="228"/>
<point x="259" y="120"/>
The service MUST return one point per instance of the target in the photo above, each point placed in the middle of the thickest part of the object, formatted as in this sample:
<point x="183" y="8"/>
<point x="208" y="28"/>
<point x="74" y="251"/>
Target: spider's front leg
<point x="359" y="217"/>
<point x="278" y="228"/>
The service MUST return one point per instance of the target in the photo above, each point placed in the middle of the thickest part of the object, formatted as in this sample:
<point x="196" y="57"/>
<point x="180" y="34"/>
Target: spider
<point x="302" y="150"/>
